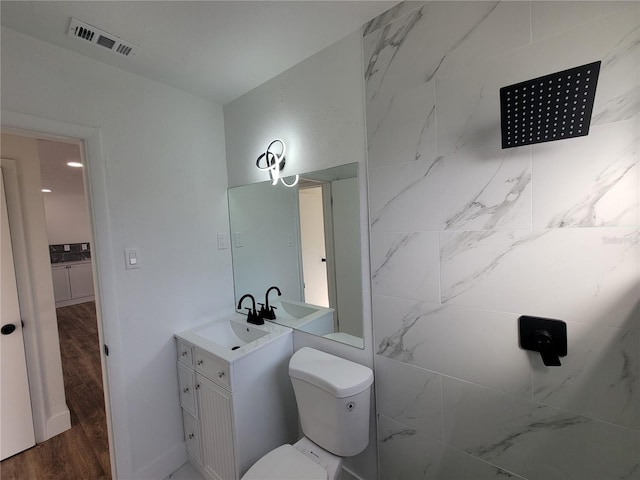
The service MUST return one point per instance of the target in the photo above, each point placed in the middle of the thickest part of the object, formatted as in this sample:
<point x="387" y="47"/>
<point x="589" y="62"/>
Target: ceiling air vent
<point x="88" y="33"/>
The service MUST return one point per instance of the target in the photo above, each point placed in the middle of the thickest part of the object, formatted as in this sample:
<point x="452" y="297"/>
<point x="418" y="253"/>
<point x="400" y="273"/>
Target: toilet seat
<point x="285" y="463"/>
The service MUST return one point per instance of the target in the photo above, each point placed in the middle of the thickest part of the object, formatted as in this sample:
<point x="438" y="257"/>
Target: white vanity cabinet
<point x="235" y="409"/>
<point x="72" y="283"/>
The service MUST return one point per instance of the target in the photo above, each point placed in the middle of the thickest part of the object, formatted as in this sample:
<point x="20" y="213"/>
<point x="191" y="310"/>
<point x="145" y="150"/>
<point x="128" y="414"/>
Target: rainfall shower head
<point x="553" y="107"/>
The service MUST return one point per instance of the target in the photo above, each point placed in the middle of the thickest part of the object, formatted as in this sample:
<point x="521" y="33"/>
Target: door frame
<point x="89" y="139"/>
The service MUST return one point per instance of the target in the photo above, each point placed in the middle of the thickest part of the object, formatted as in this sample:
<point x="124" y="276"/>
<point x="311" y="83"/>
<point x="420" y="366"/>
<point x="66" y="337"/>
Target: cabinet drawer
<point x="187" y="384"/>
<point x="212" y="369"/>
<point x="185" y="353"/>
<point x="192" y="436"/>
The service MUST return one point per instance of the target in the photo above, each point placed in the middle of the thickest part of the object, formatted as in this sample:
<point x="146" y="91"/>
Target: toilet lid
<point x="285" y="463"/>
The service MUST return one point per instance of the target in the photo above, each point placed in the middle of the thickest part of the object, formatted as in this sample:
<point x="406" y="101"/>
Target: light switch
<point x="239" y="239"/>
<point x="83" y="246"/>
<point x="222" y="241"/>
<point x="131" y="258"/>
<point x="67" y="248"/>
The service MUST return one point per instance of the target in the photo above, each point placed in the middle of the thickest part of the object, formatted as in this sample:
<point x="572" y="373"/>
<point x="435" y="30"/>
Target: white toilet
<point x="333" y="397"/>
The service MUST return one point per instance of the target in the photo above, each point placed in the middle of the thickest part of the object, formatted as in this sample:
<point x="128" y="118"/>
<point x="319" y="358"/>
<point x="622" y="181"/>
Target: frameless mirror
<point x="306" y="241"/>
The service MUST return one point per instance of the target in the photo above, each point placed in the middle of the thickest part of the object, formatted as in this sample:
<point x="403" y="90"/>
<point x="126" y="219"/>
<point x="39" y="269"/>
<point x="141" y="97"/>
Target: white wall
<point x="466" y="237"/>
<point x="317" y="108"/>
<point x="163" y="183"/>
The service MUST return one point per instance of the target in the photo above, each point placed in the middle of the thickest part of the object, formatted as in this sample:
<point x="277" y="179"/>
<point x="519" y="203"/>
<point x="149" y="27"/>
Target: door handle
<point x="8" y="329"/>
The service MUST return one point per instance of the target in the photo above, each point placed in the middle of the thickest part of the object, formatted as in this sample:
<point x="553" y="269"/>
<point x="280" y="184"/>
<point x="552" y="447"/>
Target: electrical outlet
<point x="67" y="248"/>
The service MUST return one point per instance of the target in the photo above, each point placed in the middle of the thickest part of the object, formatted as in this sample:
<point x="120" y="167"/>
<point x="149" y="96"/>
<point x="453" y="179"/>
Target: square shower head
<point x="553" y="107"/>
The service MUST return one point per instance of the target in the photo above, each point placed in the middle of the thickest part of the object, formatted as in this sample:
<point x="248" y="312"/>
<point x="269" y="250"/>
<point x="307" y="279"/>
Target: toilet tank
<point x="333" y="396"/>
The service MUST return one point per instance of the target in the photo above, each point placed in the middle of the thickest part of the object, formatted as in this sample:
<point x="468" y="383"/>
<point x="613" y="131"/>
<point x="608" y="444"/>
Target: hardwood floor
<point x="81" y="453"/>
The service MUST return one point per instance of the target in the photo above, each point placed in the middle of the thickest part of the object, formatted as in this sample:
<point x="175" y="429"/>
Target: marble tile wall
<point x="466" y="237"/>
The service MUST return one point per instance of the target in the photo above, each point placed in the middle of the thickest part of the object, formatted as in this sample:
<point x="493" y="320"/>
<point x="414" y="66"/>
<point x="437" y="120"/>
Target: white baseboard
<point x="164" y="465"/>
<point x="60" y="422"/>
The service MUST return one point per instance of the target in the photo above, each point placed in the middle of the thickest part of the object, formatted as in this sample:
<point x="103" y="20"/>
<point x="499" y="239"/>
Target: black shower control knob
<point x="8" y="329"/>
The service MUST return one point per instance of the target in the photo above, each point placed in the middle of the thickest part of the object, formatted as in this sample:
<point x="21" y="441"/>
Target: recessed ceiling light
<point x="74" y="164"/>
<point x="46" y="190"/>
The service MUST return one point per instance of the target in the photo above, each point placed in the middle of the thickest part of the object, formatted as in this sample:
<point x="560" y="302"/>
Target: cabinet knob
<point x="185" y="389"/>
<point x="184" y="353"/>
<point x="197" y="386"/>
<point x="200" y="362"/>
<point x="191" y="435"/>
<point x="220" y="374"/>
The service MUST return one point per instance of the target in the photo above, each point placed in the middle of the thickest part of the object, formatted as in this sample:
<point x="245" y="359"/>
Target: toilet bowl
<point x="333" y="397"/>
<point x="303" y="460"/>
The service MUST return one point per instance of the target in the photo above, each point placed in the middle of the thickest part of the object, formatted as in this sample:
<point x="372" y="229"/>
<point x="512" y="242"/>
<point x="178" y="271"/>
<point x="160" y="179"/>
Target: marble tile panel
<point x="599" y="378"/>
<point x="468" y="101"/>
<point x="409" y="395"/>
<point x="385" y="18"/>
<point x="405" y="130"/>
<point x="438" y="36"/>
<point x="458" y="465"/>
<point x="407" y="455"/>
<point x="588" y="181"/>
<point x="475" y="345"/>
<point x="406" y="265"/>
<point x="485" y="189"/>
<point x="553" y="18"/>
<point x="588" y="275"/>
<point x="536" y="441"/>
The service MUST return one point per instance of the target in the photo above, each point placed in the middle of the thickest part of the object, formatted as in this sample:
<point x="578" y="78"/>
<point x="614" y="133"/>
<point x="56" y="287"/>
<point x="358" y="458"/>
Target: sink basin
<point x="304" y="316"/>
<point x="231" y="338"/>
<point x="230" y="333"/>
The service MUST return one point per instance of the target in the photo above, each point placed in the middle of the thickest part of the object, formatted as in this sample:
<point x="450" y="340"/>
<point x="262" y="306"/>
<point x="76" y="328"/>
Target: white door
<point x="314" y="254"/>
<point x="16" y="432"/>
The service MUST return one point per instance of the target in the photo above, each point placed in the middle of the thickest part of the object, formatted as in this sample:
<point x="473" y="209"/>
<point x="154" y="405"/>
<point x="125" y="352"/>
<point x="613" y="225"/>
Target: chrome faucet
<point x="267" y="311"/>
<point x="252" y="315"/>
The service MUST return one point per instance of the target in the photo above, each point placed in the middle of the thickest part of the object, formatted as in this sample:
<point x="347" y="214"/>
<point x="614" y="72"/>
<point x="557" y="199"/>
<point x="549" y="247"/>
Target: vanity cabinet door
<point x="61" y="286"/>
<point x="81" y="280"/>
<point x="187" y="383"/>
<point x="192" y="437"/>
<point x="213" y="369"/>
<point x="216" y="420"/>
<point x="185" y="353"/>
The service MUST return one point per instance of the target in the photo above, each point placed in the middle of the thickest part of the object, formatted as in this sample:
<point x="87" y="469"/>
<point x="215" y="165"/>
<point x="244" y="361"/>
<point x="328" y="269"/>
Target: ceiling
<point x="217" y="50"/>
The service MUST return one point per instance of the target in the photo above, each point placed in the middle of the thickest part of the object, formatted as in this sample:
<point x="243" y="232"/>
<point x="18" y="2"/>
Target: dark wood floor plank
<point x="83" y="451"/>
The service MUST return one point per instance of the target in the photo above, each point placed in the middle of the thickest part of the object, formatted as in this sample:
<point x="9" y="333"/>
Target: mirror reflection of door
<point x="313" y="245"/>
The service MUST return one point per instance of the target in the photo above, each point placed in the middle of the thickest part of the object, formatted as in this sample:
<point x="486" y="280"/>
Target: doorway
<point x="83" y="450"/>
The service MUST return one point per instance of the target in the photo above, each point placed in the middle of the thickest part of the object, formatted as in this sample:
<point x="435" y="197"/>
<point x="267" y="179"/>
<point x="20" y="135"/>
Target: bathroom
<point x="548" y="230"/>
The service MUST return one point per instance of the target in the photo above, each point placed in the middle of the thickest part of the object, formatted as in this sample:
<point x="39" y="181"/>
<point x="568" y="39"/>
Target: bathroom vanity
<point x="236" y="397"/>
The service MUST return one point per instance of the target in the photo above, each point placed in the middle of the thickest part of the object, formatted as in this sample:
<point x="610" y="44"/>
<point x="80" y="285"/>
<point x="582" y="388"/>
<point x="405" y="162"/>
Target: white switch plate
<point x="131" y="258"/>
<point x="222" y="241"/>
<point x="67" y="248"/>
<point x="83" y="246"/>
<point x="239" y="239"/>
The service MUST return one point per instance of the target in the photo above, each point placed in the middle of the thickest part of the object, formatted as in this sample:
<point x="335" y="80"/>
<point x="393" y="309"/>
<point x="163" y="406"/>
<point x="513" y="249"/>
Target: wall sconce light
<point x="274" y="163"/>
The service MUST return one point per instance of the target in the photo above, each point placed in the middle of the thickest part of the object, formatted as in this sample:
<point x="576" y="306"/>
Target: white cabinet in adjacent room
<point x="72" y="283"/>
